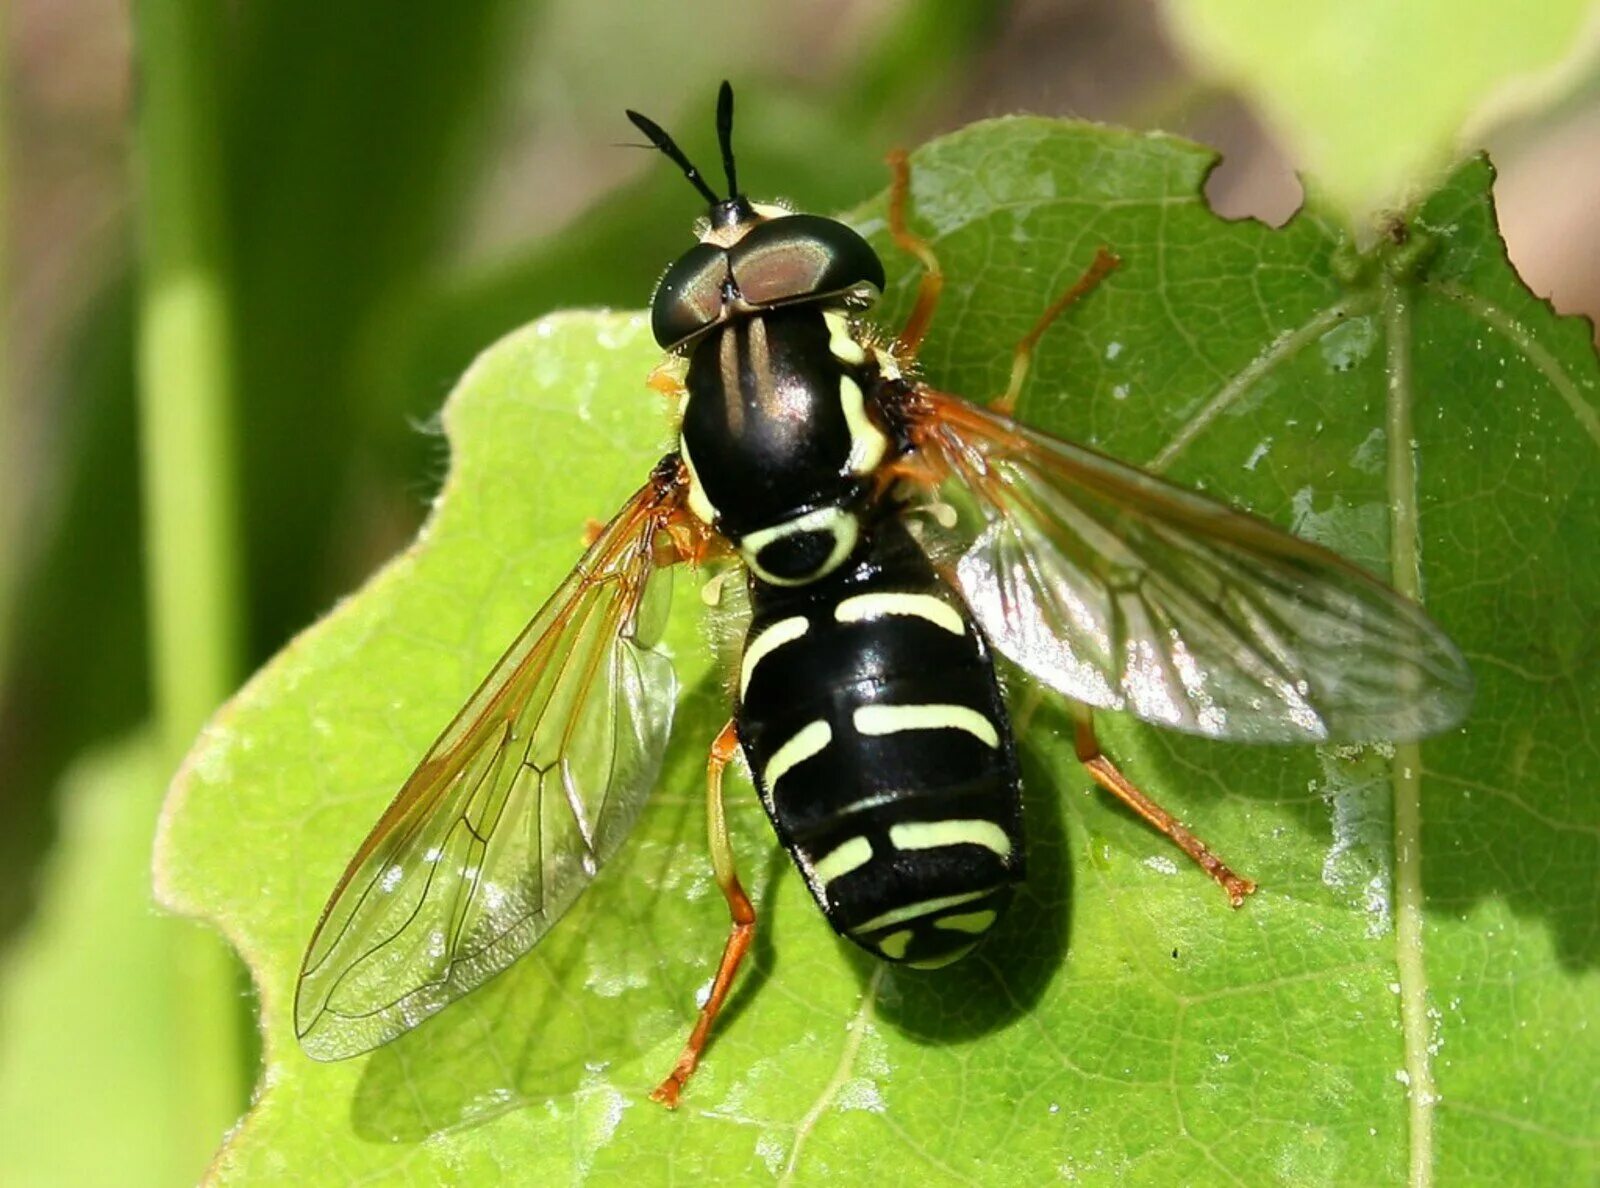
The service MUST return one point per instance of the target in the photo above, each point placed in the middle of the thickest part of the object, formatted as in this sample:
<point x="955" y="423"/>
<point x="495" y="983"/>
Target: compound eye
<point x="689" y="297"/>
<point x="801" y="257"/>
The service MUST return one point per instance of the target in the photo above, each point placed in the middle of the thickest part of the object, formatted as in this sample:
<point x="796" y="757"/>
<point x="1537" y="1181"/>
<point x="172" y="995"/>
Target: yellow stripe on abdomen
<point x="892" y="719"/>
<point x="842" y="859"/>
<point x="926" y="907"/>
<point x="809" y="740"/>
<point x="864" y="608"/>
<point x="930" y="835"/>
<point x="770" y="640"/>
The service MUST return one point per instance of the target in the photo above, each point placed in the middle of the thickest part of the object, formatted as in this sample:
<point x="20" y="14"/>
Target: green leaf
<point x="1126" y="1026"/>
<point x="91" y="1021"/>
<point x="1374" y="96"/>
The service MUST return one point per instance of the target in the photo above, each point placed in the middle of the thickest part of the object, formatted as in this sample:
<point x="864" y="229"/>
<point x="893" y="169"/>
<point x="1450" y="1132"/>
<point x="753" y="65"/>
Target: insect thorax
<point x="777" y="436"/>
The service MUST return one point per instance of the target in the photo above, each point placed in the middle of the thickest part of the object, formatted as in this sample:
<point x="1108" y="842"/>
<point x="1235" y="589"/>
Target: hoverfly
<point x="867" y="704"/>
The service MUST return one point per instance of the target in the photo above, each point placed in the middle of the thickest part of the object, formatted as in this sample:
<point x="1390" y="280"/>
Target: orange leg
<point x="682" y="537"/>
<point x="1105" y="774"/>
<point x="1104" y="262"/>
<point x="911" y="469"/>
<point x="666" y="378"/>
<point x="740" y="933"/>
<point x="932" y="282"/>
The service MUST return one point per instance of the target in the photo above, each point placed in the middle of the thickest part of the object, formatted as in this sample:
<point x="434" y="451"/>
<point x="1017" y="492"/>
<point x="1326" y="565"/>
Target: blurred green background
<point x="314" y="215"/>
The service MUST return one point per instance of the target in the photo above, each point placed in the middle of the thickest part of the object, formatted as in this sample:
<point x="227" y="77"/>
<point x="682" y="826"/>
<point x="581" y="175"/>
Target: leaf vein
<point x="1285" y="346"/>
<point x="841" y="1074"/>
<point x="1532" y="350"/>
<point x="1406" y="766"/>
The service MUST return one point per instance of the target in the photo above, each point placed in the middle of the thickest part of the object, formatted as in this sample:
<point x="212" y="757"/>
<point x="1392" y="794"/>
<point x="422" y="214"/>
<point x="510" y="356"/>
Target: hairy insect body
<point x="869" y="710"/>
<point x="874" y="726"/>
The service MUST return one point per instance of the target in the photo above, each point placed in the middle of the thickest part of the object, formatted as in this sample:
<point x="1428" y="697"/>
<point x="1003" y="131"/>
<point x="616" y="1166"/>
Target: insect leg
<point x="740" y="933"/>
<point x="1105" y="774"/>
<point x="1022" y="358"/>
<point x="667" y="378"/>
<point x="931" y="285"/>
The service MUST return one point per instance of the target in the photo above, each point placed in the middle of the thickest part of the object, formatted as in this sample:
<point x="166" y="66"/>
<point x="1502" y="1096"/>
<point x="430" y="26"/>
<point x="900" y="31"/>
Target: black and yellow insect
<point x="867" y="702"/>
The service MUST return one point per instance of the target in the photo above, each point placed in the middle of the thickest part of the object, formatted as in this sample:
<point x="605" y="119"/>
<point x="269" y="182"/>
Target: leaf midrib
<point x="1405" y="768"/>
<point x="1406" y="577"/>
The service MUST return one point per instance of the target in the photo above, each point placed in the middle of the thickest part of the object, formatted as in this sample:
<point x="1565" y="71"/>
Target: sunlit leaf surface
<point x="90" y="987"/>
<point x="1371" y="1008"/>
<point x="1368" y="95"/>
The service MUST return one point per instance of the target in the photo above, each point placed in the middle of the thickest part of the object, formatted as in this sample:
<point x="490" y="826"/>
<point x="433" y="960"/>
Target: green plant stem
<point x="185" y="392"/>
<point x="11" y="493"/>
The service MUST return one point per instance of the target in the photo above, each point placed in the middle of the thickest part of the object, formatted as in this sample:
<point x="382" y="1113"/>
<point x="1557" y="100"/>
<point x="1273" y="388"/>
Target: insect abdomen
<point x="874" y="726"/>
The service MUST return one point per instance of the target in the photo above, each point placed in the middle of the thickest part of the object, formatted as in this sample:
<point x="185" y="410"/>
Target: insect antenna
<point x="666" y="144"/>
<point x="725" y="135"/>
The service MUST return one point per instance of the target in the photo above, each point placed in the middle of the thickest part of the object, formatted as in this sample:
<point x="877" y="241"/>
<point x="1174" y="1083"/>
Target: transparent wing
<point x="1127" y="593"/>
<point x="513" y="810"/>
